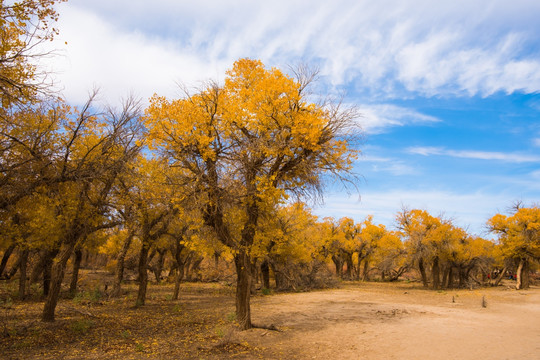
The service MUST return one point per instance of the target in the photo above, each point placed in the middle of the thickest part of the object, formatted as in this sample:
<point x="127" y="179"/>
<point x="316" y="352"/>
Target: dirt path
<point x="382" y="321"/>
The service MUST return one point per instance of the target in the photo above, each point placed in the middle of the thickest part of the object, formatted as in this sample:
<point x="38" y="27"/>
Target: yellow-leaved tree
<point x="247" y="144"/>
<point x="519" y="236"/>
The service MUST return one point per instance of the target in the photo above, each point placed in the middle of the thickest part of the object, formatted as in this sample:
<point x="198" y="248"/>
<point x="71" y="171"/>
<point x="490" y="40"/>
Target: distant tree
<point x="519" y="236"/>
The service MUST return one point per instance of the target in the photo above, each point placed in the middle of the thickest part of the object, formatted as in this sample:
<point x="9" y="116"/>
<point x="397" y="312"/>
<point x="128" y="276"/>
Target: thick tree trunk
<point x="435" y="273"/>
<point x="265" y="271"/>
<point x="450" y="284"/>
<point x="522" y="274"/>
<point x="462" y="278"/>
<point x="143" y="275"/>
<point x="58" y="271"/>
<point x="75" y="274"/>
<point x="22" y="271"/>
<point x="444" y="280"/>
<point x="6" y="257"/>
<point x="366" y="270"/>
<point x="243" y="290"/>
<point x="277" y="276"/>
<point x="525" y="281"/>
<point x="117" y="287"/>
<point x="349" y="271"/>
<point x="338" y="262"/>
<point x="423" y="272"/>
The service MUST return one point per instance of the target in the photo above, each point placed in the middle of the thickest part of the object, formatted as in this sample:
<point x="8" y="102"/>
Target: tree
<point x="95" y="150"/>
<point x="519" y="235"/>
<point x="24" y="25"/>
<point x="246" y="145"/>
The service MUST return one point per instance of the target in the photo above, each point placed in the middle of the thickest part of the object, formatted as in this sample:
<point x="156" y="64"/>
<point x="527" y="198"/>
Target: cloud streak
<point x="472" y="154"/>
<point x="378" y="118"/>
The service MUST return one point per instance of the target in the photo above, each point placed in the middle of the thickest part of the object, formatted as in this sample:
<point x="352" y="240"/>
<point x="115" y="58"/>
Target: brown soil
<point x="357" y="321"/>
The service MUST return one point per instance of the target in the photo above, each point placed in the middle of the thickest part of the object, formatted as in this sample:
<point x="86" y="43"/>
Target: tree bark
<point x="500" y="277"/>
<point x="435" y="273"/>
<point x="349" y="271"/>
<point x="366" y="270"/>
<point x="47" y="271"/>
<point x="143" y="275"/>
<point x="158" y="268"/>
<point x="338" y="262"/>
<point x="265" y="271"/>
<point x="6" y="257"/>
<point x="117" y="287"/>
<point x="522" y="274"/>
<point x="243" y="290"/>
<point x="177" y="280"/>
<point x="75" y="274"/>
<point x="58" y="271"/>
<point x="423" y="272"/>
<point x="525" y="281"/>
<point x="22" y="271"/>
<point x="450" y="284"/>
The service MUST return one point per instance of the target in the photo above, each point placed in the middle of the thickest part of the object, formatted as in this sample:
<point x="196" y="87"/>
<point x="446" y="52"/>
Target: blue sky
<point x="449" y="91"/>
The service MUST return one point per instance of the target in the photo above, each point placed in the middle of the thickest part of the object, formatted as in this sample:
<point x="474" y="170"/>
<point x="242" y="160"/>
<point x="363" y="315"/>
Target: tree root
<point x="267" y="327"/>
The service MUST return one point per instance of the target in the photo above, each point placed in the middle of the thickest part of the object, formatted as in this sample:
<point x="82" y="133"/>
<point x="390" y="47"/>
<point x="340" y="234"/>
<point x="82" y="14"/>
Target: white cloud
<point x="536" y="142"/>
<point x="432" y="48"/>
<point x="376" y="118"/>
<point x="472" y="154"/>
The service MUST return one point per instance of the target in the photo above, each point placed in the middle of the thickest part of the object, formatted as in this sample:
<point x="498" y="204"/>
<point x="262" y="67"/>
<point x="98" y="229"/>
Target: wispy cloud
<point x="377" y="118"/>
<point x="536" y="142"/>
<point x="472" y="154"/>
<point x="426" y="47"/>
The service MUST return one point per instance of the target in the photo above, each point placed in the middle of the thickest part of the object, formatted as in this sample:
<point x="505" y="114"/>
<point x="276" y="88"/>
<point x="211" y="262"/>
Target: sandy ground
<point x="399" y="321"/>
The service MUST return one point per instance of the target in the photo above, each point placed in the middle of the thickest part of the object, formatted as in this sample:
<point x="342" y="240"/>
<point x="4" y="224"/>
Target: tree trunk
<point x="47" y="270"/>
<point x="462" y="277"/>
<point x="358" y="267"/>
<point x="444" y="281"/>
<point x="265" y="271"/>
<point x="338" y="262"/>
<point x="450" y="284"/>
<point x="14" y="268"/>
<point x="75" y="274"/>
<point x="525" y="281"/>
<point x="178" y="279"/>
<point x="500" y="277"/>
<point x="522" y="275"/>
<point x="143" y="275"/>
<point x="5" y="258"/>
<point x="423" y="272"/>
<point x="158" y="268"/>
<point x="22" y="271"/>
<point x="277" y="276"/>
<point x="349" y="271"/>
<point x="366" y="270"/>
<point x="117" y="287"/>
<point x="58" y="270"/>
<point x="243" y="290"/>
<point x="435" y="273"/>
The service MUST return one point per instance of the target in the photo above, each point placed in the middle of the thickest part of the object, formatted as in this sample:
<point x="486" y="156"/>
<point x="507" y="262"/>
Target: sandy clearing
<point x="399" y="321"/>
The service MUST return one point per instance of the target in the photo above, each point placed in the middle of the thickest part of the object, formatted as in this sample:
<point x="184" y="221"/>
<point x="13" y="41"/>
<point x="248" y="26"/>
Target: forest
<point x="213" y="187"/>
